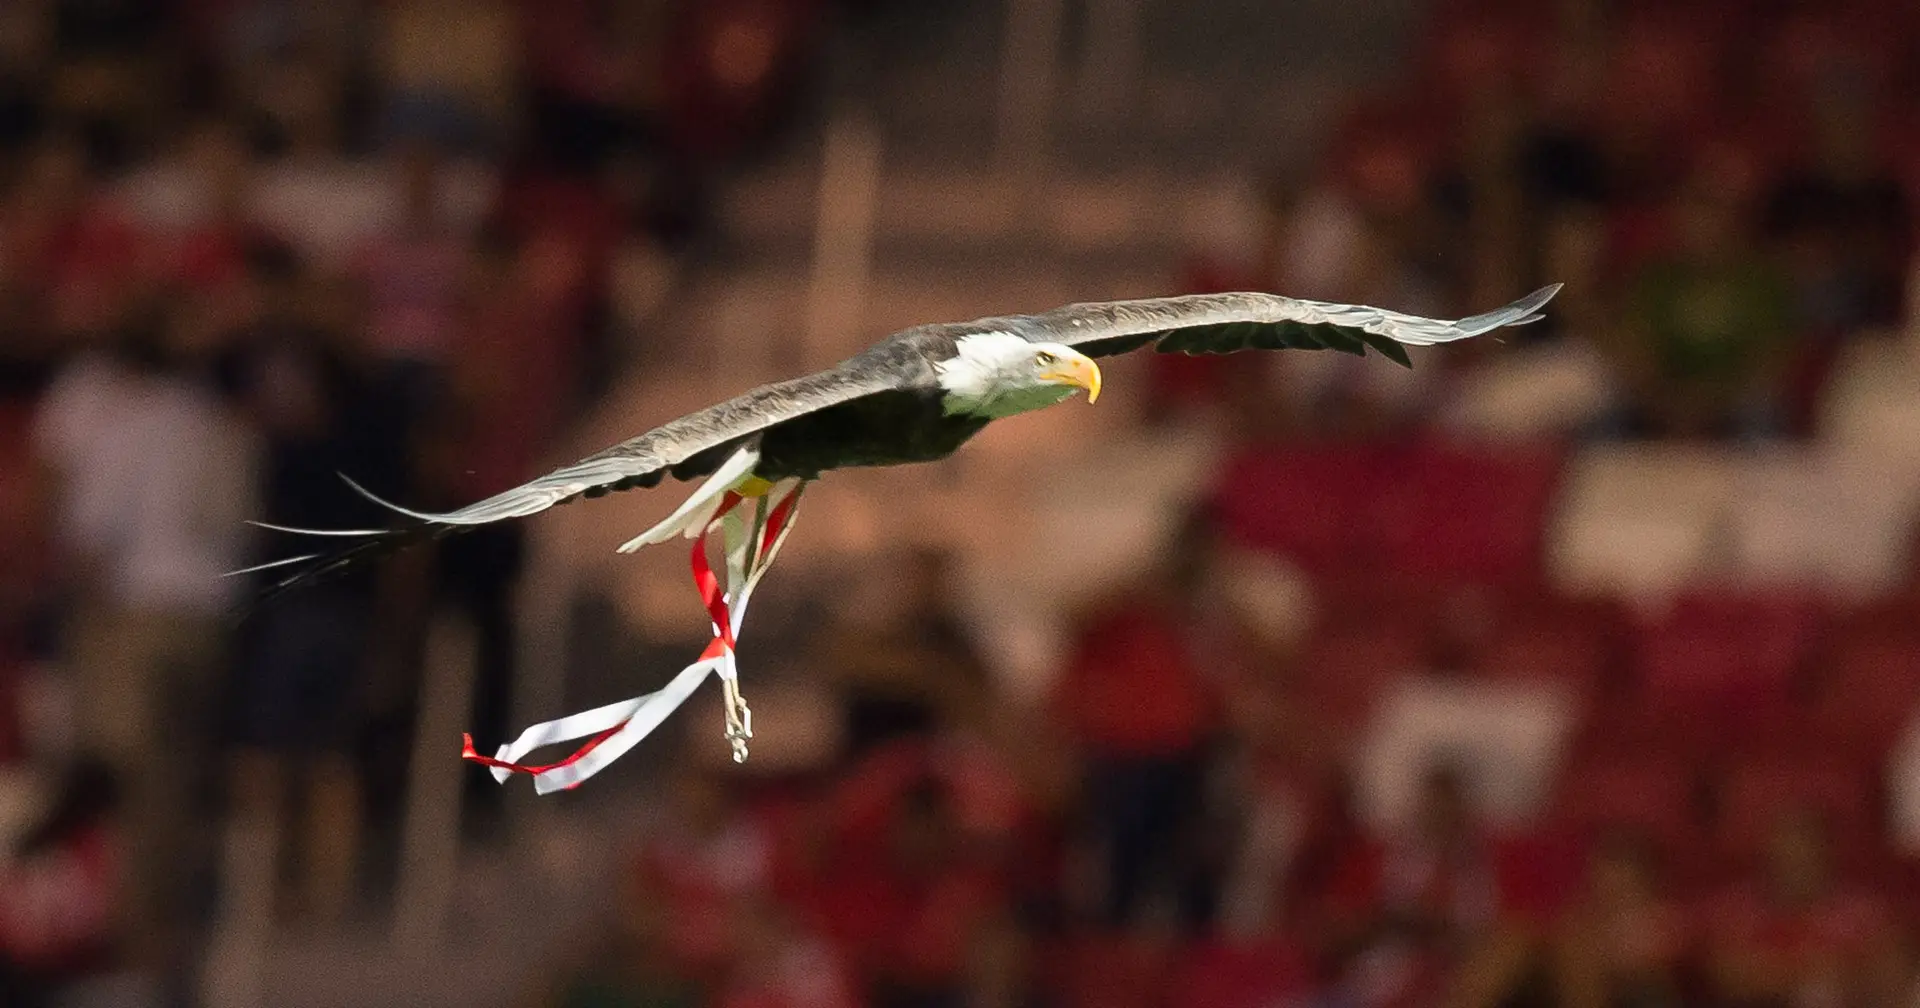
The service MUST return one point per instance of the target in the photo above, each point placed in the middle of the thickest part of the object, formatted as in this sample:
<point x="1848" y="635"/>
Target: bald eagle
<point x="915" y="396"/>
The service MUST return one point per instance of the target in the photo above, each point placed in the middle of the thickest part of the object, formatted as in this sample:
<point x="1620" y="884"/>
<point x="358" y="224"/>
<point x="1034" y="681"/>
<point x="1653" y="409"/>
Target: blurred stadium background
<point x="1578" y="669"/>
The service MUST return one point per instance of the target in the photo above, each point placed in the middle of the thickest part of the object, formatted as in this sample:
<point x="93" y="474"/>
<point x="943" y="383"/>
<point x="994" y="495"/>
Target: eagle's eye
<point x="1044" y="359"/>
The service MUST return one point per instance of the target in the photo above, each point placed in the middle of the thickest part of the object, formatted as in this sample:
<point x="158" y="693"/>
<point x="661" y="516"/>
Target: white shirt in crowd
<point x="156" y="483"/>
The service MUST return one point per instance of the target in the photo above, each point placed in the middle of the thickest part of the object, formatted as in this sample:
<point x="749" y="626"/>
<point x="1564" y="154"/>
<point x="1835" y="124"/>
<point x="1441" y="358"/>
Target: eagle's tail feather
<point x="297" y="530"/>
<point x="389" y="505"/>
<point x="324" y="567"/>
<point x="271" y="564"/>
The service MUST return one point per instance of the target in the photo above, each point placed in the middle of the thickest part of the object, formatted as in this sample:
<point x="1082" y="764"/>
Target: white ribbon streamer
<point x="636" y="718"/>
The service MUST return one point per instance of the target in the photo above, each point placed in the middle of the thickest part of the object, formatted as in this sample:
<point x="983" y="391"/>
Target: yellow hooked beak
<point x="1077" y="370"/>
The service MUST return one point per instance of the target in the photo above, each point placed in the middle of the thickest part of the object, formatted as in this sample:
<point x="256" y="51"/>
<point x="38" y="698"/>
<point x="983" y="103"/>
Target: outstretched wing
<point x="1225" y="323"/>
<point x="687" y="448"/>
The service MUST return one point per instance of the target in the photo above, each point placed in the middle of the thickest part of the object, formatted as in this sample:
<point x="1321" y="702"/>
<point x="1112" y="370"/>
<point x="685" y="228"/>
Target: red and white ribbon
<point x="752" y="530"/>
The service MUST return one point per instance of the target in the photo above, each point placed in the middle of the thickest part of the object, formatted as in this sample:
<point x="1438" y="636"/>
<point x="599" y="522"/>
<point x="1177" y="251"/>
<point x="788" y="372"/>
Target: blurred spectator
<point x="311" y="193"/>
<point x="1842" y="219"/>
<point x="324" y="407"/>
<point x="914" y="672"/>
<point x="1625" y="942"/>
<point x="26" y="49"/>
<point x="59" y="916"/>
<point x="1562" y="163"/>
<point x="1902" y="777"/>
<point x="110" y="72"/>
<point x="449" y="67"/>
<point x="1272" y="798"/>
<point x="596" y="76"/>
<point x="1419" y="910"/>
<point x="1511" y="735"/>
<point x="732" y="75"/>
<point x="154" y="472"/>
<point x="497" y="404"/>
<point x="194" y="209"/>
<point x="1365" y="233"/>
<point x="413" y="274"/>
<point x="627" y="963"/>
<point x="27" y="591"/>
<point x="1143" y="712"/>
<point x="1265" y="792"/>
<point x="640" y="267"/>
<point x="60" y="241"/>
<point x="1799" y="934"/>
<point x="201" y="180"/>
<point x="1332" y="828"/>
<point x="1006" y="787"/>
<point x="1708" y="338"/>
<point x="704" y="862"/>
<point x="782" y="965"/>
<point x="519" y="314"/>
<point x="911" y="907"/>
<point x="1656" y="96"/>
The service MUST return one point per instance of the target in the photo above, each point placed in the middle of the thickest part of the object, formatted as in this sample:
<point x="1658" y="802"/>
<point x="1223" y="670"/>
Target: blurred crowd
<point x="248" y="244"/>
<point x="1348" y="745"/>
<point x="1726" y="188"/>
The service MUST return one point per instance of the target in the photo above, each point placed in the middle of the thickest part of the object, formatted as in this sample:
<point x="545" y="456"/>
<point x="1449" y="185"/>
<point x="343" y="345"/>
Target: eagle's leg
<point x="739" y="718"/>
<point x="754" y="519"/>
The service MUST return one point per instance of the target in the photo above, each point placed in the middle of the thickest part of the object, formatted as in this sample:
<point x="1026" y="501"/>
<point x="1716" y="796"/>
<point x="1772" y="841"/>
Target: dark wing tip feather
<point x="296" y="530"/>
<point x="1388" y="347"/>
<point x="271" y="564"/>
<point x="328" y="566"/>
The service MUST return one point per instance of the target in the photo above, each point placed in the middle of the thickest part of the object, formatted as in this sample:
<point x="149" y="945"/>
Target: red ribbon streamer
<point x="777" y="521"/>
<point x="709" y="585"/>
<point x="468" y="753"/>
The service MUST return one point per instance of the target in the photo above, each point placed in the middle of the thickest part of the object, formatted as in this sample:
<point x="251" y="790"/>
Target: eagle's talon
<point x="738" y="738"/>
<point x="739" y="720"/>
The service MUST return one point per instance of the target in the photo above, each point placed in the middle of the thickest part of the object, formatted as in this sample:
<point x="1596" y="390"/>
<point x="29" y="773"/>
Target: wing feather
<point x="1227" y="323"/>
<point x="675" y="447"/>
<point x="686" y="448"/>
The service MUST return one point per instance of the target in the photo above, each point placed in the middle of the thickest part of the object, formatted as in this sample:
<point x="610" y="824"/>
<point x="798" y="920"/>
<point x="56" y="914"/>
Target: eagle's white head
<point x="998" y="374"/>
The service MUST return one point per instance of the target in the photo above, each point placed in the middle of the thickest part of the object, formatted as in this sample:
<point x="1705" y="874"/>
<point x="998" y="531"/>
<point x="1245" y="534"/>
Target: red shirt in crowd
<point x="1839" y="926"/>
<point x="1132" y="689"/>
<point x="56" y="907"/>
<point x="915" y="930"/>
<point x="702" y="878"/>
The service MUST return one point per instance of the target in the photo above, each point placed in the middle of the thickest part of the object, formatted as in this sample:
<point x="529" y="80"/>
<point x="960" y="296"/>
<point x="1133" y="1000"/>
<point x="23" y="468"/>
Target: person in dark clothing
<point x="299" y="698"/>
<point x="916" y="673"/>
<point x="1624" y="941"/>
<point x="1145" y="711"/>
<point x="1709" y="337"/>
<point x="1843" y="222"/>
<point x="475" y="578"/>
